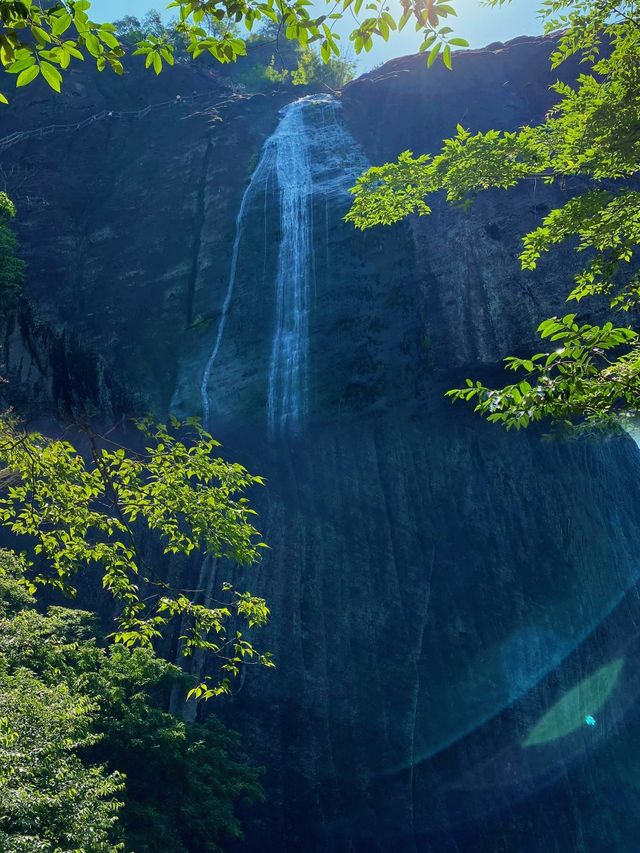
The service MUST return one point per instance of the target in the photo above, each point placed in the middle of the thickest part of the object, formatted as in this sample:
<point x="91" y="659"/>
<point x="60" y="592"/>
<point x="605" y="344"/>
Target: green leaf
<point x="404" y="19"/>
<point x="51" y="75"/>
<point x="435" y="50"/>
<point x="71" y="48"/>
<point x="108" y="38"/>
<point x="27" y="76"/>
<point x="22" y="63"/>
<point x="60" y="23"/>
<point x="93" y="44"/>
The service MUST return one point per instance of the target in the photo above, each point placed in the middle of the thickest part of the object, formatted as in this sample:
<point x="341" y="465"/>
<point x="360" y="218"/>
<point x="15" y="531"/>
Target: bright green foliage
<point x="332" y="74"/>
<point x="594" y="375"/>
<point x="37" y="41"/>
<point x="76" y="715"/>
<point x="257" y="77"/>
<point x="310" y="71"/>
<point x="11" y="267"/>
<point x="81" y="514"/>
<point x="49" y="798"/>
<point x="290" y="64"/>
<point x="577" y="380"/>
<point x="151" y="29"/>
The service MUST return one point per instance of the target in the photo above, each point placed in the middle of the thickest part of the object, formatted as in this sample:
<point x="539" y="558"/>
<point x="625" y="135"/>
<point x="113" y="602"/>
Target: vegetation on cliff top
<point x="270" y="62"/>
<point x="44" y="42"/>
<point x="590" y="377"/>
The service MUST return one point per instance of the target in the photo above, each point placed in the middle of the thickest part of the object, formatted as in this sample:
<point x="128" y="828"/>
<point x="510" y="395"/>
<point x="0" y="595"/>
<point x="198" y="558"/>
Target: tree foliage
<point x="11" y="267"/>
<point x="333" y="74"/>
<point x="153" y="30"/>
<point x="43" y="40"/>
<point x="78" y="514"/>
<point x="306" y="69"/>
<point x="88" y="761"/>
<point x="49" y="798"/>
<point x="287" y="63"/>
<point x="592" y="376"/>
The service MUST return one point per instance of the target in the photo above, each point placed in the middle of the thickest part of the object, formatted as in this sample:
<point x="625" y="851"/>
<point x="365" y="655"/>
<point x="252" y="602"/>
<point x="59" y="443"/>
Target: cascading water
<point x="288" y="393"/>
<point x="312" y="161"/>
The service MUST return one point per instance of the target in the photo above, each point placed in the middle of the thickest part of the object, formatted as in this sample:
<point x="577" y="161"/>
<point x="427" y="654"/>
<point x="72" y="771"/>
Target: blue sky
<point x="478" y="24"/>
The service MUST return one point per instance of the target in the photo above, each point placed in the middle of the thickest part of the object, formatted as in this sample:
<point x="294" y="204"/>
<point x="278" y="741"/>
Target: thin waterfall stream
<point x="288" y="392"/>
<point x="310" y="159"/>
<point x="263" y="166"/>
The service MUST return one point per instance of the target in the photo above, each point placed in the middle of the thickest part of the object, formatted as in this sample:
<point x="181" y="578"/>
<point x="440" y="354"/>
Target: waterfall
<point x="288" y="393"/>
<point x="312" y="160"/>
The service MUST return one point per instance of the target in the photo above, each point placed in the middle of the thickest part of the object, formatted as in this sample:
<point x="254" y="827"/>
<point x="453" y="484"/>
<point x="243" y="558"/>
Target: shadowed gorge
<point x="454" y="608"/>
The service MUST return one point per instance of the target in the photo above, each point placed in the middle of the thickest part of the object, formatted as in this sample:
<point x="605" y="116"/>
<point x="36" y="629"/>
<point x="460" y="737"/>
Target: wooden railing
<point x="41" y="132"/>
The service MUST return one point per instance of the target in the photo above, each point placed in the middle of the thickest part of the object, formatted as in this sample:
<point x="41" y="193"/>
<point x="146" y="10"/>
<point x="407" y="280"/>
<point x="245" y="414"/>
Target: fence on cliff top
<point x="41" y="132"/>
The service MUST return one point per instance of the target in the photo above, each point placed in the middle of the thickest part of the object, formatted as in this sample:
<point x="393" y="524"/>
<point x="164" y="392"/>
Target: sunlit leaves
<point x="41" y="42"/>
<point x="591" y="133"/>
<point x="576" y="381"/>
<point x="50" y="795"/>
<point x="311" y="69"/>
<point x="71" y="704"/>
<point x="65" y="31"/>
<point x="155" y="51"/>
<point x="386" y="194"/>
<point x="467" y="163"/>
<point x="51" y="75"/>
<point x="27" y="76"/>
<point x="82" y="515"/>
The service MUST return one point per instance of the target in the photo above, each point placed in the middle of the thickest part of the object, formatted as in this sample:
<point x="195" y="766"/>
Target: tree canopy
<point x="591" y="374"/>
<point x="88" y="761"/>
<point x="43" y="41"/>
<point x="77" y="513"/>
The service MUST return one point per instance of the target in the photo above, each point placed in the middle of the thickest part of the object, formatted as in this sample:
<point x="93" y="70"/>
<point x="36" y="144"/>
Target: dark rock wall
<point x="170" y="178"/>
<point x="437" y="586"/>
<point x="50" y="372"/>
<point x="434" y="579"/>
<point x="494" y="308"/>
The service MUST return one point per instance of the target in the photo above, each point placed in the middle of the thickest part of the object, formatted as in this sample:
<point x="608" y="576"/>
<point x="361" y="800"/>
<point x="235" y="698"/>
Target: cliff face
<point x="156" y="175"/>
<point x="49" y="371"/>
<point x="438" y="588"/>
<point x="494" y="308"/>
